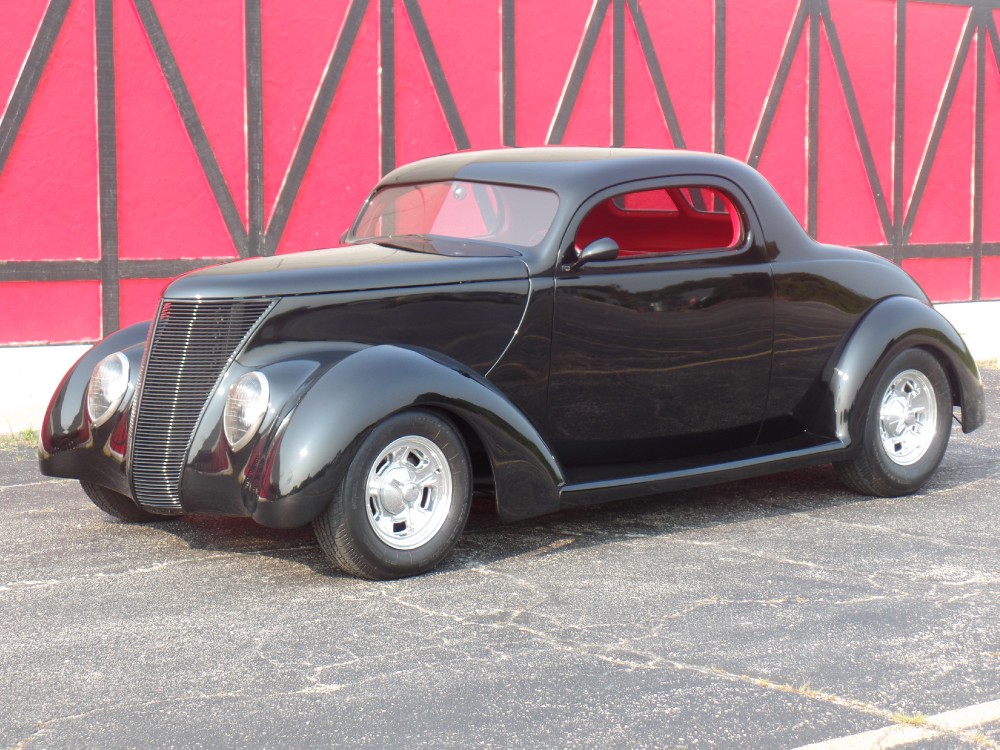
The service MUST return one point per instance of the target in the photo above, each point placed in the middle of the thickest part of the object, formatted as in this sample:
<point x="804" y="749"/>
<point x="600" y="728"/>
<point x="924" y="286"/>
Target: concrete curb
<point x="30" y="374"/>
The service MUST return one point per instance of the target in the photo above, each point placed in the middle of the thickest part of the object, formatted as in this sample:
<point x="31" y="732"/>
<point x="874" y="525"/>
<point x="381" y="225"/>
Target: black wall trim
<point x="508" y="72"/>
<point x="576" y="76"/>
<point x="387" y="85"/>
<point x="940" y="120"/>
<point x="656" y="72"/>
<point x="812" y="126"/>
<point x="899" y="134"/>
<point x="192" y="122"/>
<point x="255" y="128"/>
<point x="260" y="237"/>
<point x="618" y="73"/>
<point x="719" y="88"/>
<point x="314" y="125"/>
<point x="854" y="110"/>
<point x="27" y="83"/>
<point x="778" y="87"/>
<point x="433" y="62"/>
<point x="107" y="150"/>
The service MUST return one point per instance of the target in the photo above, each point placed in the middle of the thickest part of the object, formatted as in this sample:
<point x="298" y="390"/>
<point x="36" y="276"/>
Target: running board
<point x="608" y="490"/>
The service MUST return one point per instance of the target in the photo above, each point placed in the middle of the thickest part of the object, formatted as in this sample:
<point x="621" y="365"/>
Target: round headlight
<point x="107" y="388"/>
<point x="245" y="409"/>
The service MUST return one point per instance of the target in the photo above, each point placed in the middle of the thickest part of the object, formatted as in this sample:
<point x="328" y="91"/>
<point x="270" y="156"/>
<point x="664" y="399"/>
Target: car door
<point x="663" y="353"/>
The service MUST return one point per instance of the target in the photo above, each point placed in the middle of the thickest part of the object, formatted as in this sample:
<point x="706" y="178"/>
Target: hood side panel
<point x="358" y="267"/>
<point x="470" y="323"/>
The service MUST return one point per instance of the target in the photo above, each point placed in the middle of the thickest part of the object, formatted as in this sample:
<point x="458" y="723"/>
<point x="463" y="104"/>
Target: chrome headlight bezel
<point x="246" y="406"/>
<point x="106" y="390"/>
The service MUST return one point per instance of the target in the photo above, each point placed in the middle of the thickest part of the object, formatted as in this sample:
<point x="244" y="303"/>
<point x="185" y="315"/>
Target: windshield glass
<point x="503" y="214"/>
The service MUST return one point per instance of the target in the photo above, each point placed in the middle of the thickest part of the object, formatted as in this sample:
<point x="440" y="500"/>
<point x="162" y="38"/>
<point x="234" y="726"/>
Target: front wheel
<point x="906" y="428"/>
<point x="404" y="500"/>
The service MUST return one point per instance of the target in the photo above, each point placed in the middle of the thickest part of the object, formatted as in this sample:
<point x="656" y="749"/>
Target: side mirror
<point x="600" y="249"/>
<point x="343" y="236"/>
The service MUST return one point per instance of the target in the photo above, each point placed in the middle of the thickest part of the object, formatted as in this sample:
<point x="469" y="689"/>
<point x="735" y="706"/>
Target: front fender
<point x="315" y="442"/>
<point x="894" y="324"/>
<point x="65" y="425"/>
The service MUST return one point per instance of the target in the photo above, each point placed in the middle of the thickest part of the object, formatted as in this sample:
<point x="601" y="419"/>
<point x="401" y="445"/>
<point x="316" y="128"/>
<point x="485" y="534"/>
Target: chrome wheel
<point x="908" y="417"/>
<point x="409" y="492"/>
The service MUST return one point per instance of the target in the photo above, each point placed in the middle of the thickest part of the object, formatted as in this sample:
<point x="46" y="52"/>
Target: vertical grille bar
<point x="190" y="348"/>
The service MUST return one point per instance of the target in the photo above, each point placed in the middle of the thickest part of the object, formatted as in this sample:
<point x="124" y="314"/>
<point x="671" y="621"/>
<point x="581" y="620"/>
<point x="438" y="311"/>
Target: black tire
<point x="357" y="530"/>
<point x="120" y="506"/>
<point x="886" y="465"/>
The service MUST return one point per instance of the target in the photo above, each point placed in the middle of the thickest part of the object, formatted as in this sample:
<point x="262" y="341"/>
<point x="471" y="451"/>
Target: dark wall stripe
<point x="618" y="74"/>
<point x="27" y="82"/>
<point x="314" y="125"/>
<point x="93" y="270"/>
<point x="260" y="237"/>
<point x="899" y="134"/>
<point x="940" y="120"/>
<point x="938" y="250"/>
<point x="387" y="86"/>
<point x="576" y="76"/>
<point x="438" y="78"/>
<point x="719" y="93"/>
<point x="778" y="87"/>
<point x="977" y="160"/>
<point x="854" y="110"/>
<point x="656" y="72"/>
<point x="255" y="128"/>
<point x="812" y="123"/>
<point x="508" y="74"/>
<point x="195" y="130"/>
<point x="107" y="149"/>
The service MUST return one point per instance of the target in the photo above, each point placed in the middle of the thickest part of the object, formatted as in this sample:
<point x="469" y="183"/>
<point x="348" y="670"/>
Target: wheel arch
<point x="312" y="447"/>
<point x="889" y="327"/>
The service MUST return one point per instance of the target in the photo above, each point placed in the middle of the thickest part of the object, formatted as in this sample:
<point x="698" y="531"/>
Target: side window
<point x="681" y="219"/>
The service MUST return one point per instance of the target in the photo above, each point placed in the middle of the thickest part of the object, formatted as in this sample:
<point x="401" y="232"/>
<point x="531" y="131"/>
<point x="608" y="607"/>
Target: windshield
<point x="503" y="214"/>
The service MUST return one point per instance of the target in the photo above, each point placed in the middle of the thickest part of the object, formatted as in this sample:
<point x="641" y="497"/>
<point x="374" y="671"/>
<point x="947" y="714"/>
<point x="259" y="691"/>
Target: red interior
<point x="654" y="231"/>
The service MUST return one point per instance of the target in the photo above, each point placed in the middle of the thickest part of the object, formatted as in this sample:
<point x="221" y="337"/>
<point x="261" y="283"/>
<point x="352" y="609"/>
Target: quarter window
<point x="681" y="219"/>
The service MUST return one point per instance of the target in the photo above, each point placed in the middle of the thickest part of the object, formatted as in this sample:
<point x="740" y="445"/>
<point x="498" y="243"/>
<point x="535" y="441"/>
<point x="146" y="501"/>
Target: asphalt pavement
<point x="769" y="613"/>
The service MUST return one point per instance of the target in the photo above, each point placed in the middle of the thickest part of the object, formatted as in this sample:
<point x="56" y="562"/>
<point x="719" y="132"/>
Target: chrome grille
<point x="191" y="346"/>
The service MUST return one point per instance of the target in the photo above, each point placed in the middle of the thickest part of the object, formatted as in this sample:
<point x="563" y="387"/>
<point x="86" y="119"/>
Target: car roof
<point x="576" y="173"/>
<point x="567" y="169"/>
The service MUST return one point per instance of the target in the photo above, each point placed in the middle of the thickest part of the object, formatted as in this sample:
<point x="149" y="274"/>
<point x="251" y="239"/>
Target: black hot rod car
<point x="565" y="326"/>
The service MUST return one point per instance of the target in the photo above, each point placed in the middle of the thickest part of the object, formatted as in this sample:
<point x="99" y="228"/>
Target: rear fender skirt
<point x="894" y="324"/>
<point x="315" y="442"/>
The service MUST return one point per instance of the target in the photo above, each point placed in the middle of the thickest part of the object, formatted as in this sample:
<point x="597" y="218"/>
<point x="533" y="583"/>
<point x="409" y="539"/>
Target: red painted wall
<point x="143" y="138"/>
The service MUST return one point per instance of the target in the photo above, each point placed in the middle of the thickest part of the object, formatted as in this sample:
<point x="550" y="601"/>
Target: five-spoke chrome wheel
<point x="403" y="500"/>
<point x="900" y="430"/>
<point x="908" y="417"/>
<point x="409" y="492"/>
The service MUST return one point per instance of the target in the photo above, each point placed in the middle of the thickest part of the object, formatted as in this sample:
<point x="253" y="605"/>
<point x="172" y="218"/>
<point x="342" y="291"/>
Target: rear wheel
<point x="906" y="428"/>
<point x="120" y="506"/>
<point x="403" y="502"/>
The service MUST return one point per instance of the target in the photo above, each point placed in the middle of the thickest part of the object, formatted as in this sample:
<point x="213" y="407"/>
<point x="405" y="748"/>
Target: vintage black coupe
<point x="555" y="326"/>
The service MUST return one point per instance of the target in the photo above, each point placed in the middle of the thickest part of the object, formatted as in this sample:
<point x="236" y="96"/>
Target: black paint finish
<point x="577" y="385"/>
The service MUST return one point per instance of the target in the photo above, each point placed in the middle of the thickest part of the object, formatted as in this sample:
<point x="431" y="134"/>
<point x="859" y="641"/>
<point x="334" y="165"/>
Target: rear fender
<point x="314" y="443"/>
<point x="894" y="324"/>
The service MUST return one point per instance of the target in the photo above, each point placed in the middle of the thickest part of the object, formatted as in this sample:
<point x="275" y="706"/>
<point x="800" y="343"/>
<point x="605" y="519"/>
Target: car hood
<point x="352" y="268"/>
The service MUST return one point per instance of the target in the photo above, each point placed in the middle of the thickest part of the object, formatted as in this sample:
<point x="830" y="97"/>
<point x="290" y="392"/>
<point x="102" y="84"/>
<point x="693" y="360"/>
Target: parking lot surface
<point x="769" y="613"/>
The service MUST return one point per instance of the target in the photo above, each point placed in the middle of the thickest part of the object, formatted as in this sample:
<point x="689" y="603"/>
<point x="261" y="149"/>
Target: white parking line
<point x="898" y="735"/>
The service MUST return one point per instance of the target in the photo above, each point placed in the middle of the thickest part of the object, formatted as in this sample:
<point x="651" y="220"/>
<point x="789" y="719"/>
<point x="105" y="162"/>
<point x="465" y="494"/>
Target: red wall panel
<point x="944" y="279"/>
<point x="30" y="311"/>
<point x="48" y="186"/>
<point x="142" y="138"/>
